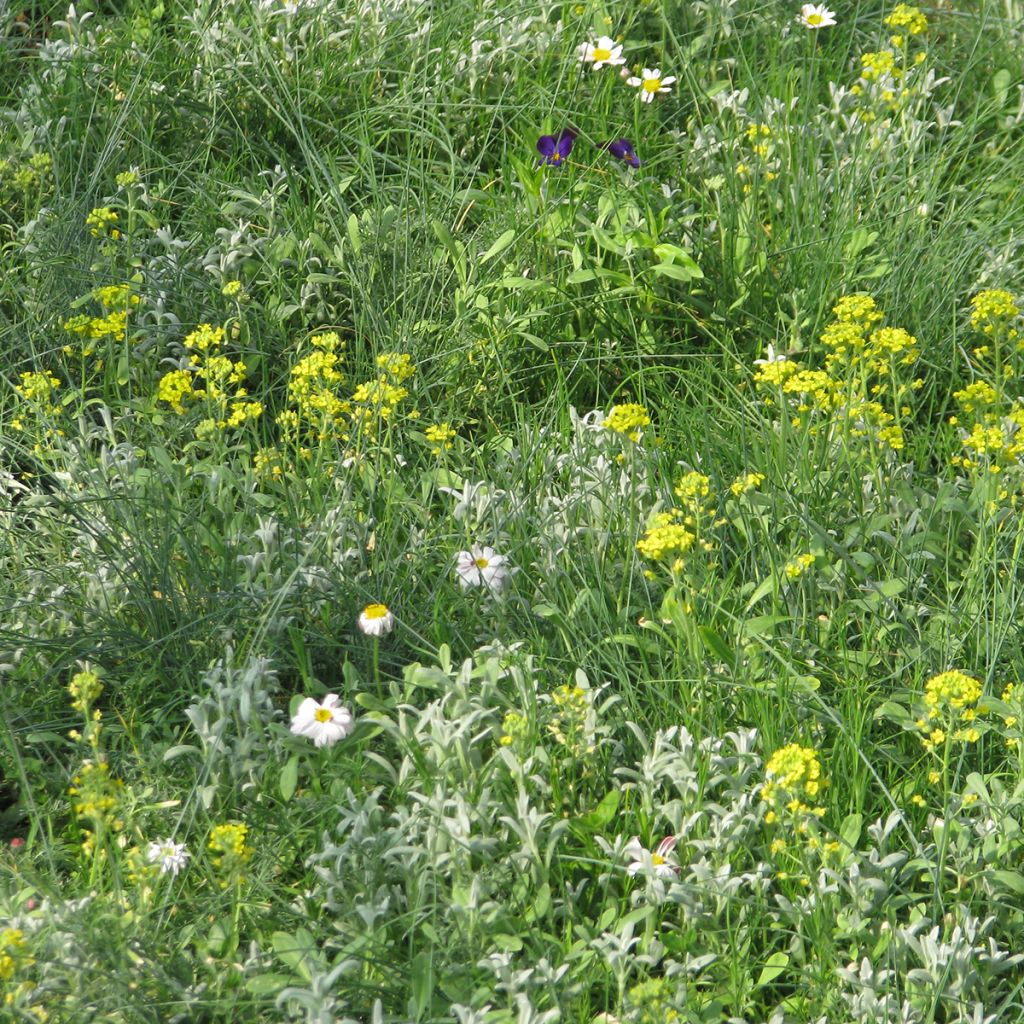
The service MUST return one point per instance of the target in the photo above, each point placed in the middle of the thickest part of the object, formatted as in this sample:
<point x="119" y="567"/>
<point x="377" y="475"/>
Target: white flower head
<point x="376" y="620"/>
<point x="815" y="16"/>
<point x="481" y="567"/>
<point x="658" y="861"/>
<point x="650" y="83"/>
<point x="603" y="52"/>
<point x="171" y="856"/>
<point x="771" y="356"/>
<point x="324" y="723"/>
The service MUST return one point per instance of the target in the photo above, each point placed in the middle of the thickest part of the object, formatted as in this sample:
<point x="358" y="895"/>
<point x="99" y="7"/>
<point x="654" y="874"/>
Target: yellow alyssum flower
<point x="628" y="418"/>
<point x="174" y="388"/>
<point x="953" y="689"/>
<point x="397" y="365"/>
<point x="878" y="65"/>
<point x="100" y="222"/>
<point x="38" y="387"/>
<point x="796" y="567"/>
<point x="746" y="483"/>
<point x="792" y="776"/>
<point x="693" y="488"/>
<point x="858" y="308"/>
<point x="441" y="436"/>
<point x="233" y="853"/>
<point x="13" y="955"/>
<point x="993" y="311"/>
<point x="665" y="537"/>
<point x="909" y="19"/>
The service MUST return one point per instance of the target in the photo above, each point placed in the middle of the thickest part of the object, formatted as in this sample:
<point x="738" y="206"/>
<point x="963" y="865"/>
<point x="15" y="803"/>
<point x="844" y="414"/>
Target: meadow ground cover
<point x="511" y="512"/>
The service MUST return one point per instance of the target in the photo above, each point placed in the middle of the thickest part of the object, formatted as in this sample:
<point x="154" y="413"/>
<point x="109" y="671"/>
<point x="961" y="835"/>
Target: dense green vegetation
<point x="511" y="512"/>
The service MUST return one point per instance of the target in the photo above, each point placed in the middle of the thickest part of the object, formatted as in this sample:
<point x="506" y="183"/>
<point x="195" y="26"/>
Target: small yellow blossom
<point x="441" y="435"/>
<point x="628" y="419"/>
<point x="909" y="19"/>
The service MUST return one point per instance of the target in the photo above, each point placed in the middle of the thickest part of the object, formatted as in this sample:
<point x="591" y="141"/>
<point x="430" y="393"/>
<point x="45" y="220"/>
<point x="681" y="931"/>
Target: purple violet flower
<point x="556" y="150"/>
<point x="623" y="149"/>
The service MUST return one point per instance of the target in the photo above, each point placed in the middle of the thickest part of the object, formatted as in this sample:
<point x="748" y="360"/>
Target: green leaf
<point x="1012" y="880"/>
<point x="504" y="240"/>
<point x="421" y="984"/>
<point x="581" y="276"/>
<point x="686" y="272"/>
<point x="773" y="967"/>
<point x="715" y="645"/>
<point x="289" y="778"/>
<point x="1001" y="86"/>
<point x="849" y="831"/>
<point x="602" y="814"/>
<point x="507" y="943"/>
<point x="269" y="984"/>
<point x="764" y="588"/>
<point x="294" y="950"/>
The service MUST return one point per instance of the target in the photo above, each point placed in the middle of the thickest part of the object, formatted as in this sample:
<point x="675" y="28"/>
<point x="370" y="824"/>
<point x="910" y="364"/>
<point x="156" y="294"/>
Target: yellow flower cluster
<point x="96" y="794"/>
<point x="885" y="75"/>
<point x="38" y="389"/>
<point x="117" y="301"/>
<point x="233" y="853"/>
<point x="220" y="383"/>
<point x="85" y="688"/>
<point x="863" y="362"/>
<point x="746" y="483"/>
<point x="978" y="399"/>
<point x="664" y="537"/>
<point x="13" y="955"/>
<point x="759" y="137"/>
<point x="317" y="411"/>
<point x="101" y="221"/>
<point x="374" y="402"/>
<point x="879" y="64"/>
<point x="24" y="175"/>
<point x="950" y="700"/>
<point x="440" y="435"/>
<point x="515" y="730"/>
<point x="569" y="727"/>
<point x="994" y="310"/>
<point x="793" y="782"/>
<point x="908" y="19"/>
<point x="629" y="419"/>
<point x="796" y="567"/>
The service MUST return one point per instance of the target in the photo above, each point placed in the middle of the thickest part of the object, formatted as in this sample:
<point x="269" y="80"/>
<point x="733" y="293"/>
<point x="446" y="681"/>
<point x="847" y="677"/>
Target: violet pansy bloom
<point x="623" y="149"/>
<point x="555" y="151"/>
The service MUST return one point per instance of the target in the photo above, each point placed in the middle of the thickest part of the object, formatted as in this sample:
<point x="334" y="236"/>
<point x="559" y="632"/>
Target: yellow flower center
<point x="481" y="563"/>
<point x="323" y="715"/>
<point x="814" y="19"/>
<point x="600" y="53"/>
<point x="657" y="860"/>
<point x="652" y="84"/>
<point x="376" y="611"/>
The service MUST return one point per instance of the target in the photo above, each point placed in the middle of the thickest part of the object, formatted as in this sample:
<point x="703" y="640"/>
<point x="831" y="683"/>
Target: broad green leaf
<point x="503" y="241"/>
<point x="773" y="967"/>
<point x="289" y="778"/>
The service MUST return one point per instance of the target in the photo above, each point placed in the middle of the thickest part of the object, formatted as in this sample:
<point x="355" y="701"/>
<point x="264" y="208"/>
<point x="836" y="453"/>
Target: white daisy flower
<point x="603" y="52"/>
<point x="650" y="83"/>
<point x="481" y="567"/>
<point x="816" y="16"/>
<point x="658" y="861"/>
<point x="771" y="356"/>
<point x="171" y="856"/>
<point x="324" y="723"/>
<point x="376" y="620"/>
